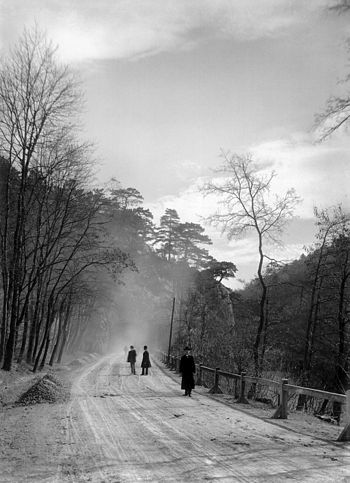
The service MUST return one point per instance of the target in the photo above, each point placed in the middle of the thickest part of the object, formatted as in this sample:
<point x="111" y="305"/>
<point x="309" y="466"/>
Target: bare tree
<point x="247" y="205"/>
<point x="38" y="100"/>
<point x="340" y="6"/>
<point x="335" y="115"/>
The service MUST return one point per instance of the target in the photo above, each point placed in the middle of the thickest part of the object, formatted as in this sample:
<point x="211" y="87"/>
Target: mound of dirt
<point x="48" y="389"/>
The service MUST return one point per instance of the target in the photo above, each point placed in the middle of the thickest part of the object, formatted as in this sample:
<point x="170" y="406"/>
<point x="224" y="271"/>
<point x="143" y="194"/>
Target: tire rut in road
<point x="134" y="428"/>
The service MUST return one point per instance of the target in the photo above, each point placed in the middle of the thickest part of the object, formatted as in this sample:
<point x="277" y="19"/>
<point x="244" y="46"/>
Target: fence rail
<point x="284" y="389"/>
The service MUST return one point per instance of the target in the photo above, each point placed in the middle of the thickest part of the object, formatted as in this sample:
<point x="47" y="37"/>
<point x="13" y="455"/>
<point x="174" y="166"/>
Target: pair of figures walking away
<point x="146" y="363"/>
<point x="132" y="359"/>
<point x="187" y="370"/>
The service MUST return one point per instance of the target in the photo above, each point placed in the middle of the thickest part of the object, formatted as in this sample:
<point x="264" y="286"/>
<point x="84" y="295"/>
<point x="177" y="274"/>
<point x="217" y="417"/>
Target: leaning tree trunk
<point x="47" y="345"/>
<point x="57" y="343"/>
<point x="63" y="316"/>
<point x="63" y="343"/>
<point x="44" y="343"/>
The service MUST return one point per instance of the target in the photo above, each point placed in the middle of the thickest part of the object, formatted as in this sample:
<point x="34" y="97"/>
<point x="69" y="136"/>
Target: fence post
<point x="242" y="399"/>
<point x="282" y="410"/>
<point x="284" y="397"/>
<point x="345" y="434"/>
<point x="216" y="389"/>
<point x="199" y="375"/>
<point x="235" y="394"/>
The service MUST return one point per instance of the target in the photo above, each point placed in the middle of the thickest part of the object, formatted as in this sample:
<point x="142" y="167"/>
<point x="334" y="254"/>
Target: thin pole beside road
<point x="171" y="330"/>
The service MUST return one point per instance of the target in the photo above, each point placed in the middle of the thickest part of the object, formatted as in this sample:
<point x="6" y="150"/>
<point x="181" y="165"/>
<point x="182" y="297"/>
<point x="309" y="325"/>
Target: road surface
<point x="125" y="428"/>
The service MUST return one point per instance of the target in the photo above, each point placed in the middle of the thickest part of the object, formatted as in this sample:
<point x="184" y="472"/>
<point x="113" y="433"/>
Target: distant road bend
<point x="125" y="428"/>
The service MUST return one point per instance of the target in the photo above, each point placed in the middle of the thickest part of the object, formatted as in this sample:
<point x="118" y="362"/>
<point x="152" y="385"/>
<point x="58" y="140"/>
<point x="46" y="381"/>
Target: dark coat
<point x="187" y="369"/>
<point x="131" y="356"/>
<point x="145" y="360"/>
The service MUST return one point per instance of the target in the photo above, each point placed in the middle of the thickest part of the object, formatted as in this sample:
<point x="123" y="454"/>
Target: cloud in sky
<point x="86" y="29"/>
<point x="318" y="172"/>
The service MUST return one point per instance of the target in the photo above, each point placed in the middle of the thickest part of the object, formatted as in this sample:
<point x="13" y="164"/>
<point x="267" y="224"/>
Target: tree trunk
<point x="58" y="338"/>
<point x="63" y="345"/>
<point x="4" y="322"/>
<point x="24" y="337"/>
<point x="42" y="314"/>
<point x="4" y="256"/>
<point x="47" y="345"/>
<point x="261" y="325"/>
<point x="43" y="342"/>
<point x="264" y="337"/>
<point x="32" y="332"/>
<point x="11" y="341"/>
<point x="46" y="338"/>
<point x="341" y="375"/>
<point x="16" y="267"/>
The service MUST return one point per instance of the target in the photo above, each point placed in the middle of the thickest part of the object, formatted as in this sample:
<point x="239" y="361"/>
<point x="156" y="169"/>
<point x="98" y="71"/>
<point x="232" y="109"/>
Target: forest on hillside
<point x="83" y="268"/>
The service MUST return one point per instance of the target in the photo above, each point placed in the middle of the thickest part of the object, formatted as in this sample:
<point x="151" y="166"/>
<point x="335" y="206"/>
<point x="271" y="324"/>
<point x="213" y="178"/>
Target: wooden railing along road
<point x="283" y="388"/>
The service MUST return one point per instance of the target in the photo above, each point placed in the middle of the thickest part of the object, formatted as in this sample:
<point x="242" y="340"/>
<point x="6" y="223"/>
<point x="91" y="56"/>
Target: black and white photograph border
<point x="174" y="221"/>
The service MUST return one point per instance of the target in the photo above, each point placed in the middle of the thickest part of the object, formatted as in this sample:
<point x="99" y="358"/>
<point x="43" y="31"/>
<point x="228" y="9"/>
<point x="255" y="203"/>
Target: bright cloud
<point x="86" y="29"/>
<point x="318" y="172"/>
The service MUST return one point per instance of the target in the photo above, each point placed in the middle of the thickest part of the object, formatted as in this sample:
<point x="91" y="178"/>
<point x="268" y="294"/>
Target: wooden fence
<point x="221" y="381"/>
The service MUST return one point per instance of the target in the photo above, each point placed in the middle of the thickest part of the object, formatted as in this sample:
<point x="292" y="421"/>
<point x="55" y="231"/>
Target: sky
<point x="170" y="83"/>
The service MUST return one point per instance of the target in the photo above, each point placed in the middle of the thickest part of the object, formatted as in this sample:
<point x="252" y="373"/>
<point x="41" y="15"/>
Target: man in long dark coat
<point x="132" y="359"/>
<point x="146" y="363"/>
<point x="187" y="369"/>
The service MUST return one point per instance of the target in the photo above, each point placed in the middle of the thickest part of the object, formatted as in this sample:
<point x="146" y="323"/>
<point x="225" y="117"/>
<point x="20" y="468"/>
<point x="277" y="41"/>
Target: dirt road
<point x="124" y="428"/>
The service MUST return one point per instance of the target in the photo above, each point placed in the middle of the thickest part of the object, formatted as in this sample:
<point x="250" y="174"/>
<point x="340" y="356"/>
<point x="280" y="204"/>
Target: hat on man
<point x="187" y="348"/>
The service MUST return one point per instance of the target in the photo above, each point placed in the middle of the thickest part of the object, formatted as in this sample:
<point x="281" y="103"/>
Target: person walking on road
<point x="187" y="369"/>
<point x="146" y="363"/>
<point x="132" y="359"/>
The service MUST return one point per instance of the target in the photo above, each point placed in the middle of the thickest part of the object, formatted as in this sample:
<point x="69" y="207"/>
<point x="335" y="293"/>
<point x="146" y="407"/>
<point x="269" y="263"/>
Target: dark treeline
<point x="93" y="266"/>
<point x="65" y="247"/>
<point x="306" y="334"/>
